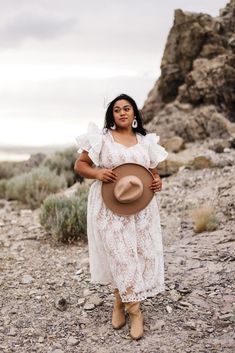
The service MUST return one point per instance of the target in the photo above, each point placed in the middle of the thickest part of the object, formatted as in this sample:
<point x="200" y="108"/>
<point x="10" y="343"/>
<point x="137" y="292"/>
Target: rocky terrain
<point x="192" y="105"/>
<point x="47" y="302"/>
<point x="49" y="305"/>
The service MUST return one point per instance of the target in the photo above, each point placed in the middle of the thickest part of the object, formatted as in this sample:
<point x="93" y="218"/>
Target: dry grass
<point x="205" y="219"/>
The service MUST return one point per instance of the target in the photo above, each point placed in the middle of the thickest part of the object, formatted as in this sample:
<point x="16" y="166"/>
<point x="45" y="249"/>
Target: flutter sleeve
<point x="157" y="153"/>
<point x="91" y="142"/>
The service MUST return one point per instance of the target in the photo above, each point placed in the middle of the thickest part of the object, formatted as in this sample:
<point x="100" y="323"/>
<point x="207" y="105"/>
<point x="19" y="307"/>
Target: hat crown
<point x="131" y="195"/>
<point x="128" y="189"/>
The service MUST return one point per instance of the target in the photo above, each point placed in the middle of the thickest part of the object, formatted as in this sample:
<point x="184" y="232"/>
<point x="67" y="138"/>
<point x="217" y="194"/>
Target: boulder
<point x="194" y="97"/>
<point x="173" y="144"/>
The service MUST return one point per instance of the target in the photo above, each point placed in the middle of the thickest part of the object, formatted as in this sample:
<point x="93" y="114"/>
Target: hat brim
<point x="123" y="209"/>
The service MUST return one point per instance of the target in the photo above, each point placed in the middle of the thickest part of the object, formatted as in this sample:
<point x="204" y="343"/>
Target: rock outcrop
<point x="194" y="98"/>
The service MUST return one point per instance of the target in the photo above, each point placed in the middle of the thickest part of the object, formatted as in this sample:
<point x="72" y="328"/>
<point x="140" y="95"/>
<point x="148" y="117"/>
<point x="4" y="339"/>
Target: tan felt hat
<point x="130" y="193"/>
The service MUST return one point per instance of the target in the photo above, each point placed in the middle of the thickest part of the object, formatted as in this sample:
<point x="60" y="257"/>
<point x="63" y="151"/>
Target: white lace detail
<point x="127" y="251"/>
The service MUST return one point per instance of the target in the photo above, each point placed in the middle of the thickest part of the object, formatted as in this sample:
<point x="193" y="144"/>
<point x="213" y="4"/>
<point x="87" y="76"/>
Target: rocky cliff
<point x="194" y="97"/>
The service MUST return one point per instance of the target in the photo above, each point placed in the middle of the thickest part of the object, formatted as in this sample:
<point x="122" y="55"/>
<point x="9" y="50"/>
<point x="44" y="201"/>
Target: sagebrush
<point x="3" y="186"/>
<point x="62" y="162"/>
<point x="33" y="187"/>
<point x="8" y="169"/>
<point x="64" y="218"/>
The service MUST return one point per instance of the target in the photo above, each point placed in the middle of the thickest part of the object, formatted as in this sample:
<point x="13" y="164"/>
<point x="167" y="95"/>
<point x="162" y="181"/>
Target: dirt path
<point x="48" y="304"/>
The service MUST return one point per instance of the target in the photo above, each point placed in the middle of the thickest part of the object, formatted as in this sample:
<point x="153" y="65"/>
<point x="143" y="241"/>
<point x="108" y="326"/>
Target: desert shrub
<point x="62" y="162"/>
<point x="205" y="219"/>
<point x="33" y="187"/>
<point x="3" y="183"/>
<point x="7" y="170"/>
<point x="64" y="218"/>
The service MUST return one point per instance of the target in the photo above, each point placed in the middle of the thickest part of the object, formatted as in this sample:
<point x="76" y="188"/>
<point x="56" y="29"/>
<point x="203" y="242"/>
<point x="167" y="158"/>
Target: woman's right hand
<point x="106" y="175"/>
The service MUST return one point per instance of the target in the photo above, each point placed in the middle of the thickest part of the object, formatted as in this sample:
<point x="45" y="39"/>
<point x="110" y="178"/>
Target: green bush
<point x="65" y="217"/>
<point x="3" y="185"/>
<point x="7" y="170"/>
<point x="62" y="162"/>
<point x="33" y="187"/>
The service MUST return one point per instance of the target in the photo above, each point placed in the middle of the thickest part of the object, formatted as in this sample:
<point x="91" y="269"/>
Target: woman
<point x="124" y="251"/>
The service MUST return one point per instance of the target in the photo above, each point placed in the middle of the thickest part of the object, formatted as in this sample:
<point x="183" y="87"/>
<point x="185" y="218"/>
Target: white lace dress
<point x="125" y="252"/>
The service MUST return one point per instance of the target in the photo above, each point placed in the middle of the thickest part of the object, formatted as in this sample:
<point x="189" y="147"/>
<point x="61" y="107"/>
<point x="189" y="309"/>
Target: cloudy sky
<point x="62" y="61"/>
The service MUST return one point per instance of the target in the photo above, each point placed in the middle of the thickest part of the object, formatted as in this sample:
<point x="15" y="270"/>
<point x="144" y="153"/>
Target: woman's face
<point x="123" y="113"/>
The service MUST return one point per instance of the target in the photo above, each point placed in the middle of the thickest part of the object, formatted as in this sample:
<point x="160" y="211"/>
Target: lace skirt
<point x="125" y="252"/>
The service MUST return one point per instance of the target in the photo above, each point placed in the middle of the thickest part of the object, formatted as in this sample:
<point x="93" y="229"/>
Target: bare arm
<point x="84" y="167"/>
<point x="157" y="183"/>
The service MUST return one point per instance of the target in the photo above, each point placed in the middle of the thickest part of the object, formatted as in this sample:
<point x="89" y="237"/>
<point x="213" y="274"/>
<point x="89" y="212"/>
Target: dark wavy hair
<point x="109" y="119"/>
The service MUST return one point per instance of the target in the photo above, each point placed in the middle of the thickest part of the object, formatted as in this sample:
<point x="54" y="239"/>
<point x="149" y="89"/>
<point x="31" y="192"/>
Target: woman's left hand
<point x="156" y="184"/>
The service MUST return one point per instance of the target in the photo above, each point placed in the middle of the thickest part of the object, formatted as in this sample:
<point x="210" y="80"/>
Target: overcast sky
<point x="62" y="61"/>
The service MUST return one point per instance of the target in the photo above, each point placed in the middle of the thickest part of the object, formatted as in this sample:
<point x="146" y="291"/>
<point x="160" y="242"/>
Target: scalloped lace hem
<point x="142" y="295"/>
<point x="134" y="297"/>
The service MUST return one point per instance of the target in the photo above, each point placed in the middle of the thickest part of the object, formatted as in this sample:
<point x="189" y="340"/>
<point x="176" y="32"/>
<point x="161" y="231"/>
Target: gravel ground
<point x="48" y="304"/>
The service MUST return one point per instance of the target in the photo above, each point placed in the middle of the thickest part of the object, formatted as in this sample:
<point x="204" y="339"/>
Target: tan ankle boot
<point x="136" y="318"/>
<point x="118" y="317"/>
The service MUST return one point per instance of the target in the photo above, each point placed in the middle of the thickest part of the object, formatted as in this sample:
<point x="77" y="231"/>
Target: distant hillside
<point x="20" y="153"/>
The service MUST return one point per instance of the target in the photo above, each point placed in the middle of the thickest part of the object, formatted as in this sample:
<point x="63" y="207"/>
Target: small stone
<point x="27" y="279"/>
<point x="89" y="306"/>
<point x="210" y="329"/>
<point x="81" y="301"/>
<point x="157" y="325"/>
<point x="40" y="339"/>
<point x="7" y="321"/>
<point x="190" y="325"/>
<point x="95" y="300"/>
<point x="13" y="331"/>
<point x="175" y="295"/>
<point x="169" y="309"/>
<point x="61" y="304"/>
<point x="183" y="289"/>
<point x="227" y="150"/>
<point x="87" y="292"/>
<point x="72" y="341"/>
<point x="79" y="272"/>
<point x="226" y="316"/>
<point x="186" y="304"/>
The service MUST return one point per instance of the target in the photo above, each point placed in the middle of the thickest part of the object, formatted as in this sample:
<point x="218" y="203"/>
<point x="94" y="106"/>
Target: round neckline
<point x="137" y="138"/>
